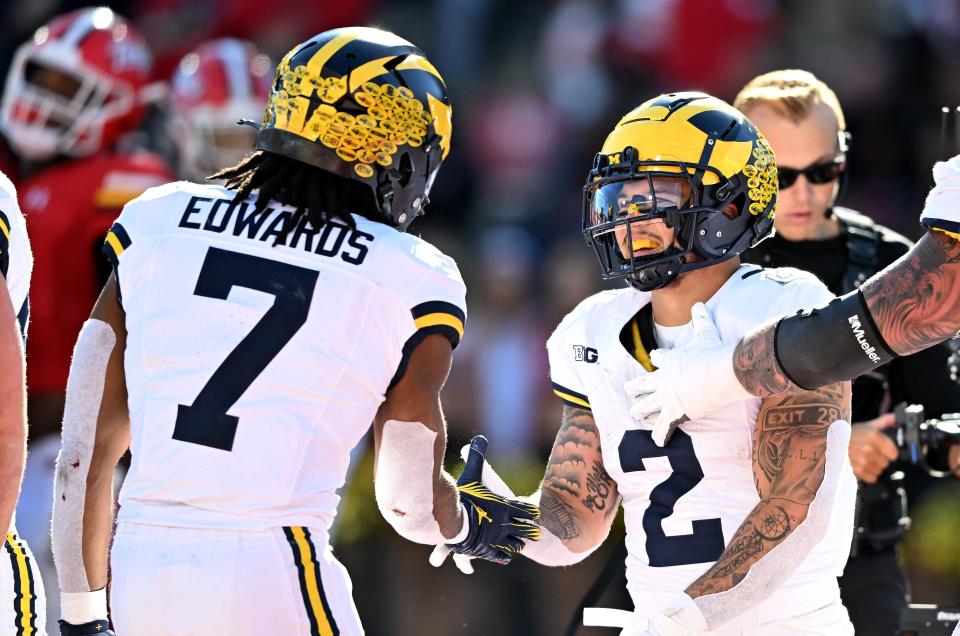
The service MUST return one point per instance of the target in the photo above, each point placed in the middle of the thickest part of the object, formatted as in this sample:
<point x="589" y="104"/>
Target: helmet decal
<point x="364" y="104"/>
<point x="761" y="179"/>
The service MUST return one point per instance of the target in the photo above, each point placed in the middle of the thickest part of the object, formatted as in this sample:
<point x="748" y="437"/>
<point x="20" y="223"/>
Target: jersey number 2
<point x="705" y="543"/>
<point x="206" y="421"/>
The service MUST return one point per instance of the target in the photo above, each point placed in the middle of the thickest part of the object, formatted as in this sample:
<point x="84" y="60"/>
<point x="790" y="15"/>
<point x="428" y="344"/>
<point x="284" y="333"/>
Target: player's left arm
<point x="789" y="459"/>
<point x="13" y="418"/>
<point x="96" y="434"/>
<point x="111" y="441"/>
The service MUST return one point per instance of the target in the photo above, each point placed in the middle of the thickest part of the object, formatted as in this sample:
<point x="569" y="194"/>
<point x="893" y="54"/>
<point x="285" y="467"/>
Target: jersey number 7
<point x="206" y="421"/>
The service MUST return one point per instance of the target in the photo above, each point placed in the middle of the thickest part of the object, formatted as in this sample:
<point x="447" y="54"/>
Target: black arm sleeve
<point x="830" y="344"/>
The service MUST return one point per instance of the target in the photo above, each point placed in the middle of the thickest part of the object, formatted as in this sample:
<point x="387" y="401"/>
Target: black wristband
<point x="830" y="344"/>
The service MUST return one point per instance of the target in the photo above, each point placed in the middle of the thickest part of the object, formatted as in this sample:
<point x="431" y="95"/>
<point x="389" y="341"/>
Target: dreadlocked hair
<point x="316" y="194"/>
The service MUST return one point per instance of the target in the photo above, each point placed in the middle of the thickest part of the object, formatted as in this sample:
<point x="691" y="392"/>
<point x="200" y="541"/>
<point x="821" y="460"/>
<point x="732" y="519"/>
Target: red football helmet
<point x="217" y="84"/>
<point x="76" y="86"/>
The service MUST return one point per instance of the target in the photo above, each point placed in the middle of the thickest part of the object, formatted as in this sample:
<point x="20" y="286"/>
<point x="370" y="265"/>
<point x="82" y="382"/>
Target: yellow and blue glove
<point x="497" y="525"/>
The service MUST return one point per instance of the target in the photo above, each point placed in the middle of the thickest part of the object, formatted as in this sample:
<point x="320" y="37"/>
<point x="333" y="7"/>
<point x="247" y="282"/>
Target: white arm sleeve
<point x="84" y="393"/>
<point x="404" y="482"/>
<point x="768" y="573"/>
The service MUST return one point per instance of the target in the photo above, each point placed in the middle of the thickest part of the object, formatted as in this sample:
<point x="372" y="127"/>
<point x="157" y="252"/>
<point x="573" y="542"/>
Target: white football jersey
<point x="684" y="502"/>
<point x="16" y="259"/>
<point x="253" y="368"/>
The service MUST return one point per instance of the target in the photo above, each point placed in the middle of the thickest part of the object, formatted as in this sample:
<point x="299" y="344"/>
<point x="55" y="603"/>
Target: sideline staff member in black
<point x="802" y="119"/>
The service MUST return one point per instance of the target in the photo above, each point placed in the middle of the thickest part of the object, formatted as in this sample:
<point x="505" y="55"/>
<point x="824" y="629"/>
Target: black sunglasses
<point x="815" y="173"/>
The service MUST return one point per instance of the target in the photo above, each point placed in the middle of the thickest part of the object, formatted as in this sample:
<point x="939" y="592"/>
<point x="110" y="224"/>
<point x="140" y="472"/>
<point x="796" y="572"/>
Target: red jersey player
<point x="74" y="91"/>
<point x="215" y="85"/>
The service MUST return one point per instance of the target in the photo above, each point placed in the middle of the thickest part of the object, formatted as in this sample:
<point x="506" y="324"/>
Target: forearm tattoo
<point x="916" y="301"/>
<point x="575" y="478"/>
<point x="789" y="444"/>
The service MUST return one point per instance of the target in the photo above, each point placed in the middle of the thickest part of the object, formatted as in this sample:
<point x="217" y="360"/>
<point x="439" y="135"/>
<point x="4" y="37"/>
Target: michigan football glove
<point x="496" y="526"/>
<point x="101" y="626"/>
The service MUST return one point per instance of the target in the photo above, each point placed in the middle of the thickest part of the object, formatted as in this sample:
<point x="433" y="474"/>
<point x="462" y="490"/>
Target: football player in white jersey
<point x="247" y="339"/>
<point x="22" y="604"/>
<point x="741" y="524"/>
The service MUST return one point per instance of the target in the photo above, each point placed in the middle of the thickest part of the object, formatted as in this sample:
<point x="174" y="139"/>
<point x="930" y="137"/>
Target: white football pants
<point x="169" y="581"/>
<point x="23" y="607"/>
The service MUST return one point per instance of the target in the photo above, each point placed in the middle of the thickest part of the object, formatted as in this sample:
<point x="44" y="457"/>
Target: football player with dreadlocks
<point x="742" y="522"/>
<point x="249" y="335"/>
<point x="75" y="96"/>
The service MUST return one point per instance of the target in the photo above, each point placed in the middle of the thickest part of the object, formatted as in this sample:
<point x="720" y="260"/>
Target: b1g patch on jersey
<point x="585" y="354"/>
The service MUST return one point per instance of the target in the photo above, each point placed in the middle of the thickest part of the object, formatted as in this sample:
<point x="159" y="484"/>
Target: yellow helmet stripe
<point x="420" y="63"/>
<point x="328" y="50"/>
<point x="442" y="123"/>
<point x="368" y="71"/>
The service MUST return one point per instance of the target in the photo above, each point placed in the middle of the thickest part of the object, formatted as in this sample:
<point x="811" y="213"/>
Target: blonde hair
<point x="789" y="92"/>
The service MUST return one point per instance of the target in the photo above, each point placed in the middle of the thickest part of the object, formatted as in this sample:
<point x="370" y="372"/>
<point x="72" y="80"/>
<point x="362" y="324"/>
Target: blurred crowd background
<point x="535" y="87"/>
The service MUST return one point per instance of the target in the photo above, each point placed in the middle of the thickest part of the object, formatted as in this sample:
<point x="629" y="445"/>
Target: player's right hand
<point x="497" y="526"/>
<point x="99" y="626"/>
<point x="870" y="450"/>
